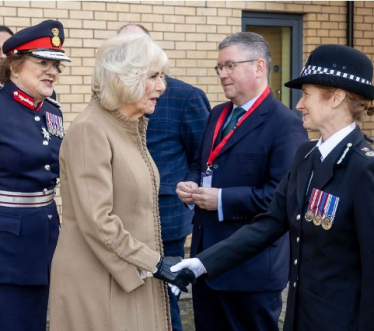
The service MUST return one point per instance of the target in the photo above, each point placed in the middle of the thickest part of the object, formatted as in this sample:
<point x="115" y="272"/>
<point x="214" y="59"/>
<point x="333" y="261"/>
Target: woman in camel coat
<point x="110" y="240"/>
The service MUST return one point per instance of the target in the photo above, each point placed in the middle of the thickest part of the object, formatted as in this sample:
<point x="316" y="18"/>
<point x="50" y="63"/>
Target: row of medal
<point x="54" y="124"/>
<point x="322" y="209"/>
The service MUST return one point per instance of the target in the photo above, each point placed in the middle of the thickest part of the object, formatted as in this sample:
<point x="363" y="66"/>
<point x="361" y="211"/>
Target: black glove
<point x="181" y="278"/>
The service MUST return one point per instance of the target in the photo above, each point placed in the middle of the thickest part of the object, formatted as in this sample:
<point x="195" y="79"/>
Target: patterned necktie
<point x="237" y="113"/>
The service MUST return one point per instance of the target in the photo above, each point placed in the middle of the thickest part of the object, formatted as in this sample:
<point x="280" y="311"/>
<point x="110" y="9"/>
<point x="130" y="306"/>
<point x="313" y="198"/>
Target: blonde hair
<point x="122" y="64"/>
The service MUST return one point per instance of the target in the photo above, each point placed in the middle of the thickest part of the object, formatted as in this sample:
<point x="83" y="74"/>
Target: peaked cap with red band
<point x="43" y="41"/>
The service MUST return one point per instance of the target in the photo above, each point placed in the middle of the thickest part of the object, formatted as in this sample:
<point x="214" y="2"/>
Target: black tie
<point x="316" y="157"/>
<point x="236" y="114"/>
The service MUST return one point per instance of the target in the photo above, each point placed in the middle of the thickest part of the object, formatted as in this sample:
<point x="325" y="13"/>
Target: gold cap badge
<point x="56" y="42"/>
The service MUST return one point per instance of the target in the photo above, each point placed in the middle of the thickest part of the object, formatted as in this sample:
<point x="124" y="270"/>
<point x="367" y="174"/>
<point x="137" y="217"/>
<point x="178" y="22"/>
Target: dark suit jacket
<point x="331" y="282"/>
<point x="248" y="169"/>
<point x="173" y="136"/>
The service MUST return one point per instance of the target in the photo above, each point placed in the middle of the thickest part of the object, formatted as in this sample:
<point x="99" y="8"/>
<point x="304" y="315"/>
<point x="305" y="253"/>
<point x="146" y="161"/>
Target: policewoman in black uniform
<point x="30" y="137"/>
<point x="325" y="202"/>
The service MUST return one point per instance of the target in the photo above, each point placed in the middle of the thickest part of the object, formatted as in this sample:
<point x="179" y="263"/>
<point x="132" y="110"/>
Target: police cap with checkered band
<point x="337" y="66"/>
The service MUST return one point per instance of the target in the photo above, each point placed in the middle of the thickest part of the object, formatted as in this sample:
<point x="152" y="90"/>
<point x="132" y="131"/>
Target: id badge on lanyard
<point x="206" y="179"/>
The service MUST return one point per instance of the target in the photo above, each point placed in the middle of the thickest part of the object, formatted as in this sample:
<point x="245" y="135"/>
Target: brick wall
<point x="188" y="31"/>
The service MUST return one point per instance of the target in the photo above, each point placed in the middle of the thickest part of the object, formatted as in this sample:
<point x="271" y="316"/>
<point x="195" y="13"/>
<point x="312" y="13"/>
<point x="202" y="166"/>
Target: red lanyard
<point x="214" y="152"/>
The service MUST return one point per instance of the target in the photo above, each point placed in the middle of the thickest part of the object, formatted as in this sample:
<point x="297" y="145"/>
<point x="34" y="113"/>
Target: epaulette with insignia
<point x="367" y="151"/>
<point x="368" y="139"/>
<point x="54" y="102"/>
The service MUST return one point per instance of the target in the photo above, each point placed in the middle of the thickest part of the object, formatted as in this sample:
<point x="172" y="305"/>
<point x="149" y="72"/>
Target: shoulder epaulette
<point x="368" y="139"/>
<point x="54" y="102"/>
<point x="367" y="151"/>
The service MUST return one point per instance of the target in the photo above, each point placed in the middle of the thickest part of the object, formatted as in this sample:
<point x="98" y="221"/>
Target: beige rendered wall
<point x="189" y="32"/>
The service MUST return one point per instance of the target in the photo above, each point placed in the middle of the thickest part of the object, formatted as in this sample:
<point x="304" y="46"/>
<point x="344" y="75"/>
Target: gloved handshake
<point x="181" y="278"/>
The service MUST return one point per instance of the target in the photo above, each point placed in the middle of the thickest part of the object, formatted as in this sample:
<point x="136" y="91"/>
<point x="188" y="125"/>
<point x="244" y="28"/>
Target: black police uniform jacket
<point x="28" y="163"/>
<point x="332" y="271"/>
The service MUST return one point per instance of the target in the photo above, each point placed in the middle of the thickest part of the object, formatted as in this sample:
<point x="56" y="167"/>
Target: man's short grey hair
<point x="122" y="66"/>
<point x="253" y="44"/>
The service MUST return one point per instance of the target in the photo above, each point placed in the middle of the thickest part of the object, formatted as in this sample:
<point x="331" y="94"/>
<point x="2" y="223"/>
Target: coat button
<point x="45" y="142"/>
<point x="294" y="284"/>
<point x="295" y="262"/>
<point x="37" y="118"/>
<point x="50" y="216"/>
<point x="298" y="239"/>
<point x="215" y="166"/>
<point x="47" y="167"/>
<point x="298" y="217"/>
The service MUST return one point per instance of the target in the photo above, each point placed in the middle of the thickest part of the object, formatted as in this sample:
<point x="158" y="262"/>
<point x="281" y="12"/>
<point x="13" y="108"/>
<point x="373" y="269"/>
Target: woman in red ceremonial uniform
<point x="30" y="138"/>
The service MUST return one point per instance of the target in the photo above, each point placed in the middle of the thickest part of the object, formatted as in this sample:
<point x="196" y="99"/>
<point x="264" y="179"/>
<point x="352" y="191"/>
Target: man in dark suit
<point x="173" y="136"/>
<point x="233" y="179"/>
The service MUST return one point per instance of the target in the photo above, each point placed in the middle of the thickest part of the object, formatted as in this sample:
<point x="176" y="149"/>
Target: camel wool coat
<point x="110" y="240"/>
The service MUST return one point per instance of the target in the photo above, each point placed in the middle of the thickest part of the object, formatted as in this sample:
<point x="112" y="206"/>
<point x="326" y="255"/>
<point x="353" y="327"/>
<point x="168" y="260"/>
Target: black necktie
<point x="316" y="158"/>
<point x="236" y="114"/>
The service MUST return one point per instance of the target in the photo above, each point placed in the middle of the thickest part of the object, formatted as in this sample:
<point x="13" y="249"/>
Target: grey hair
<point x="122" y="66"/>
<point x="251" y="43"/>
<point x="123" y="27"/>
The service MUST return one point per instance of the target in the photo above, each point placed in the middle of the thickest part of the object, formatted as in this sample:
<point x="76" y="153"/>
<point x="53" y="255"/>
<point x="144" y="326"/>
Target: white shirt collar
<point x="248" y="104"/>
<point x="327" y="146"/>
